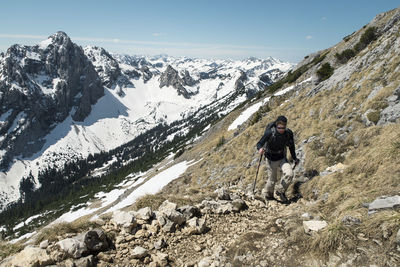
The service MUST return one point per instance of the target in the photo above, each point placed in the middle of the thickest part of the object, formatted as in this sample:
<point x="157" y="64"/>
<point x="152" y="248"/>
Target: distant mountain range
<point x="61" y="102"/>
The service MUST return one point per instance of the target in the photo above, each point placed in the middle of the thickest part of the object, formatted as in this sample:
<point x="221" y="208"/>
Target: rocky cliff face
<point x="108" y="68"/>
<point x="171" y="77"/>
<point x="39" y="87"/>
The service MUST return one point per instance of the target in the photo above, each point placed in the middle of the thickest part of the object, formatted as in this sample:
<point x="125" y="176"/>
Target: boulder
<point x="144" y="214"/>
<point x="124" y="220"/>
<point x="74" y="247"/>
<point x="139" y="253"/>
<point x="176" y="217"/>
<point x="383" y="203"/>
<point x="29" y="256"/>
<point x="96" y="240"/>
<point x="44" y="244"/>
<point x="314" y="226"/>
<point x="167" y="206"/>
<point x="195" y="226"/>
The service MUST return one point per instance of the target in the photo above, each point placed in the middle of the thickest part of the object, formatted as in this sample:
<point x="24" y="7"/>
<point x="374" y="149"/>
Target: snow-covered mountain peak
<point x="60" y="102"/>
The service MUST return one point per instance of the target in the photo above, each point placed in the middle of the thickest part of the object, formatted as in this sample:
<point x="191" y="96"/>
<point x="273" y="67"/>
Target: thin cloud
<point x="139" y="42"/>
<point x="23" y="36"/>
<point x="172" y="48"/>
<point x="308" y="37"/>
<point x="158" y="34"/>
<point x="324" y="18"/>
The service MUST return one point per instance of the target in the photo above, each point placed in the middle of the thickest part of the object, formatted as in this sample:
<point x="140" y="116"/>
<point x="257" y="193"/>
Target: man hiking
<point x="276" y="138"/>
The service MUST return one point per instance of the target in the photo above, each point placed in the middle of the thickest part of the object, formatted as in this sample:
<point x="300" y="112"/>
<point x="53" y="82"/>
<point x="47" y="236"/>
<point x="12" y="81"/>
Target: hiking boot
<point x="282" y="197"/>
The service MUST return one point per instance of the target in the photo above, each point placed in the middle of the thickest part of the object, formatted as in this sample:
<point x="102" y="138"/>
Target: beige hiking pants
<point x="287" y="176"/>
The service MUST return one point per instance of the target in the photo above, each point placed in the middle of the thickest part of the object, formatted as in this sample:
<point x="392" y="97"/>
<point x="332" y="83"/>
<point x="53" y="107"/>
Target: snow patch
<point x="25" y="236"/>
<point x="154" y="184"/>
<point x="245" y="115"/>
<point x="45" y="43"/>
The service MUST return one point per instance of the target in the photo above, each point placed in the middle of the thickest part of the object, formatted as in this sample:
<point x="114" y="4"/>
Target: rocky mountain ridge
<point x="39" y="87"/>
<point x="62" y="103"/>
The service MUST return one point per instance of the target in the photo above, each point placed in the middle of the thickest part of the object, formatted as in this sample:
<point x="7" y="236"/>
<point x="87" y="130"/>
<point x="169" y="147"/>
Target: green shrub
<point x="345" y="55"/>
<point x="366" y="38"/>
<point x="325" y="71"/>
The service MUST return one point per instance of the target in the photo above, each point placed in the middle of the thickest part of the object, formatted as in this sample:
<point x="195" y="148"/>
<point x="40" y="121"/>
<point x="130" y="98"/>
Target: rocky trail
<point x="255" y="236"/>
<point x="230" y="229"/>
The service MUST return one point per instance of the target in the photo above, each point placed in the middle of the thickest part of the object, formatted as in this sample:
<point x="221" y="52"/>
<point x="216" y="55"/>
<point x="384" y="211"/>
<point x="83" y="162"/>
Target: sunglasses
<point x="281" y="128"/>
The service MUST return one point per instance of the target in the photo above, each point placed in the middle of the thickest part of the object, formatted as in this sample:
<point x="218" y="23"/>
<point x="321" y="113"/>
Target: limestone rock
<point x="167" y="206"/>
<point x="124" y="219"/>
<point x="314" y="226"/>
<point x="196" y="226"/>
<point x="139" y="253"/>
<point x="74" y="247"/>
<point x="144" y="214"/>
<point x="169" y="226"/>
<point x="44" y="244"/>
<point x="29" y="256"/>
<point x="160" y="244"/>
<point x="383" y="203"/>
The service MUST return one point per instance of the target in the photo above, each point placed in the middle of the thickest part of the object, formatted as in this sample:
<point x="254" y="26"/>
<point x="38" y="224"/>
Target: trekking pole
<point x="295" y="164"/>
<point x="258" y="168"/>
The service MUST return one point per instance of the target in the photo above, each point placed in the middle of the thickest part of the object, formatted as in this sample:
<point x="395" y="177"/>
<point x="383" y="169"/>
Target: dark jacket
<point x="277" y="143"/>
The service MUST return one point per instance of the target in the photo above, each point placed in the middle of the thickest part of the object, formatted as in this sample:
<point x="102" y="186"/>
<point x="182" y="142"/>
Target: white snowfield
<point x="116" y="120"/>
<point x="151" y="186"/>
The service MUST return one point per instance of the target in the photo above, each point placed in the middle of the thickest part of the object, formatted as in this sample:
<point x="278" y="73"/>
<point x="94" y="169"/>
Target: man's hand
<point x="296" y="162"/>
<point x="261" y="151"/>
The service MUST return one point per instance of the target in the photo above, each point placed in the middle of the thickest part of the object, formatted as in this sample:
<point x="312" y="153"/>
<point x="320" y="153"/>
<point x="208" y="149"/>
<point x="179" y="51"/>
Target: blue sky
<point x="288" y="30"/>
